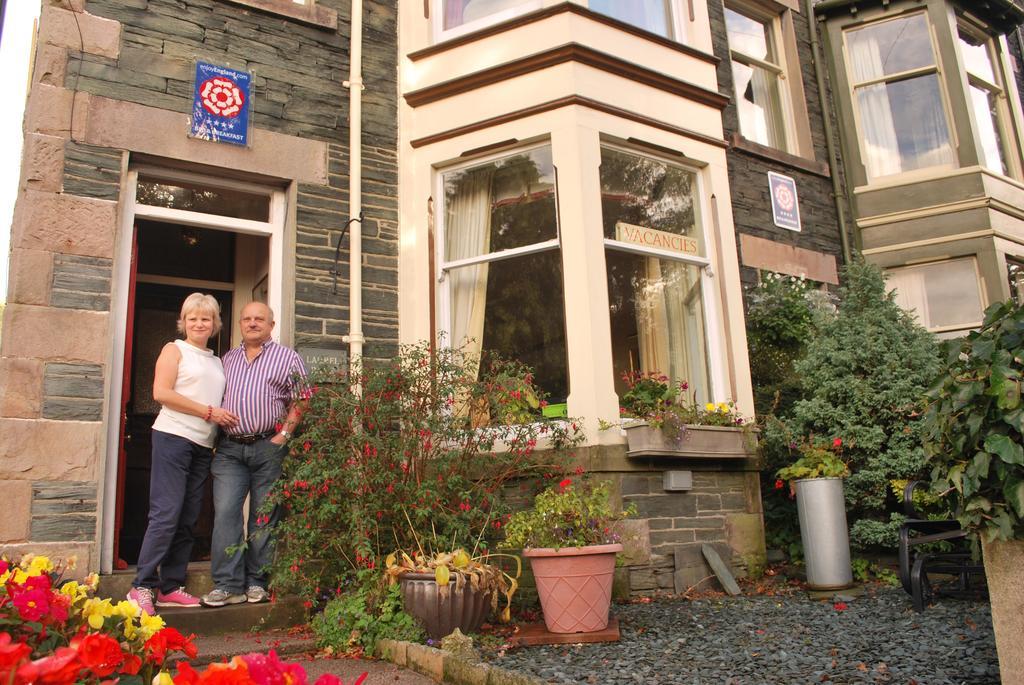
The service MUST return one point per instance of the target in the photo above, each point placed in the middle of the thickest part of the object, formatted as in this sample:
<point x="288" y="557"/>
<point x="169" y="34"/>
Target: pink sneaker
<point x="177" y="598"/>
<point x="143" y="596"/>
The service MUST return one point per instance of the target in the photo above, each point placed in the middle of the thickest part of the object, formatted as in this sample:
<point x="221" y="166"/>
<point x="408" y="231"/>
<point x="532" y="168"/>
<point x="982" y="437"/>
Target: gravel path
<point x="750" y="640"/>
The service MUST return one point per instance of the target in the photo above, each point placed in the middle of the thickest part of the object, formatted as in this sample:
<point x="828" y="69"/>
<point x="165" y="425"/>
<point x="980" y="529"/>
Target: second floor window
<point x="900" y="109"/>
<point x="984" y="93"/>
<point x="458" y="13"/>
<point x="756" y="74"/>
<point x="653" y="15"/>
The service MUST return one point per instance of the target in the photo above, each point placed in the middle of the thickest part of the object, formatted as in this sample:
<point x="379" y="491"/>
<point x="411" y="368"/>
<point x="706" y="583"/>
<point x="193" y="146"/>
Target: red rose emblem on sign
<point x="221" y="96"/>
<point x="784" y="197"/>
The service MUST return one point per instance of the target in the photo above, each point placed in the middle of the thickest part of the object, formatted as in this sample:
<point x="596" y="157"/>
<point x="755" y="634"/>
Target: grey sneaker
<point x="256" y="594"/>
<point x="218" y="598"/>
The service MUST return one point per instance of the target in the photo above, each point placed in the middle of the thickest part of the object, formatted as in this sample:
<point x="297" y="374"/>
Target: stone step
<point x="284" y="612"/>
<point x="116" y="585"/>
<point x="222" y="647"/>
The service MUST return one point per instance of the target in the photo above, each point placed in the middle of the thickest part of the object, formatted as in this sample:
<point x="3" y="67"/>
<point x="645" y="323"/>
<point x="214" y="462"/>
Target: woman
<point x="189" y="384"/>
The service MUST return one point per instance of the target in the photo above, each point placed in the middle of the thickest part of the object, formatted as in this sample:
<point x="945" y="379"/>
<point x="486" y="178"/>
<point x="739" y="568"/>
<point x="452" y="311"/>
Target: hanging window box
<point x="695" y="442"/>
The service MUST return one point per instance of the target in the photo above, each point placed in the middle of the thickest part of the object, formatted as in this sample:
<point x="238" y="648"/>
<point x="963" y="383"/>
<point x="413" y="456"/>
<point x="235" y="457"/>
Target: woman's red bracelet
<point x="209" y="412"/>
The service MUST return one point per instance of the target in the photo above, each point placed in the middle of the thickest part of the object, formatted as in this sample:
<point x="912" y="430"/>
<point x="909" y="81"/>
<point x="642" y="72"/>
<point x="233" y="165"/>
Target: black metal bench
<point x="916" y="564"/>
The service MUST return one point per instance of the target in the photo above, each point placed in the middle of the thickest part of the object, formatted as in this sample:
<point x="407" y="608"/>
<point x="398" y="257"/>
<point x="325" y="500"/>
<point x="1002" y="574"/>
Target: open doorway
<point x="173" y="261"/>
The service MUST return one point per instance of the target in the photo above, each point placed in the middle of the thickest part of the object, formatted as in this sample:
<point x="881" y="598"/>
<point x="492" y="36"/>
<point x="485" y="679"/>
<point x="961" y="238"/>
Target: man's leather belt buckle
<point x="250" y="438"/>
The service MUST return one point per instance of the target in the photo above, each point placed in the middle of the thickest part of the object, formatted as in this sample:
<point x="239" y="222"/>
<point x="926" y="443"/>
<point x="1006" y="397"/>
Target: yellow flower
<point x="74" y="590"/>
<point x="723" y="407"/>
<point x="149" y="625"/>
<point x="163" y="678"/>
<point x="96" y="611"/>
<point x="710" y="406"/>
<point x="127" y="609"/>
<point x="36" y="565"/>
<point x="130" y="629"/>
<point x="92" y="581"/>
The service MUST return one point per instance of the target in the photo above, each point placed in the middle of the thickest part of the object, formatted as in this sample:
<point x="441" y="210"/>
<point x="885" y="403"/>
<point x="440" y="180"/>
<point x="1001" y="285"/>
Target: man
<point x="262" y="379"/>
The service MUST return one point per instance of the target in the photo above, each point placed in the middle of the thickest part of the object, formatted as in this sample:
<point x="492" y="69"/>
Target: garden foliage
<point x="974" y="426"/>
<point x="406" y="456"/>
<point x="863" y="377"/>
<point x="368" y="610"/>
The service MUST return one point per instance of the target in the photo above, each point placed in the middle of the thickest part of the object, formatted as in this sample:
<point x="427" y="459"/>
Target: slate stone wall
<point x="748" y="173"/>
<point x="298" y="72"/>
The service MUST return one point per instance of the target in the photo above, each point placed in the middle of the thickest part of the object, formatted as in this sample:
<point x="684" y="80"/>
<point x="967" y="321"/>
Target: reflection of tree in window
<point x="1015" y="275"/>
<point x="194" y="198"/>
<point x="646" y="192"/>
<point x="513" y="306"/>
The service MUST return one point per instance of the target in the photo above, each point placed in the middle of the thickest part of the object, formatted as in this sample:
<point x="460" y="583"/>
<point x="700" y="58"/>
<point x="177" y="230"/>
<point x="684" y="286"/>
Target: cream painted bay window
<point x="985" y="92"/>
<point x="655" y="254"/>
<point x="501" y="264"/>
<point x="945" y="295"/>
<point x="469" y="14"/>
<point x="757" y="74"/>
<point x="900" y="108"/>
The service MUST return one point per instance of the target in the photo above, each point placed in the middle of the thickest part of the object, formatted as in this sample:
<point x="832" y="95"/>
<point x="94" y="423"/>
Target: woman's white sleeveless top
<point x="200" y="378"/>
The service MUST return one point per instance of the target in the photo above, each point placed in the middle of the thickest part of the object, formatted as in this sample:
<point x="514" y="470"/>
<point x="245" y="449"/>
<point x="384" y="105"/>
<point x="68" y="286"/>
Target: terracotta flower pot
<point x="574" y="585"/>
<point x="442" y="612"/>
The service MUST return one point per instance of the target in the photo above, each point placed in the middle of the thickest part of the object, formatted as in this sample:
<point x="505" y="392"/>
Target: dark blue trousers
<point x="177" y="475"/>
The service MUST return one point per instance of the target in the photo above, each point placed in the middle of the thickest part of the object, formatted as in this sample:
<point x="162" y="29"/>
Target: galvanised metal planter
<point x="442" y="610"/>
<point x="696" y="442"/>
<point x="574" y="585"/>
<point x="826" y="540"/>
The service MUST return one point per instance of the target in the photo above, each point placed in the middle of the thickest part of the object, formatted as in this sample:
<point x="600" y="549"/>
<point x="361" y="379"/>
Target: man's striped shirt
<point x="259" y="392"/>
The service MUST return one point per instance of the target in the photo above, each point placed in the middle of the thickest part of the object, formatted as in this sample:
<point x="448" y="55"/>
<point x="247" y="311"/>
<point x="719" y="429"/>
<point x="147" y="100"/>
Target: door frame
<point x="273" y="229"/>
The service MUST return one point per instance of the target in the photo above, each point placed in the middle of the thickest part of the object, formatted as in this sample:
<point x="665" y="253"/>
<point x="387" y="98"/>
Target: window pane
<point x="759" y="102"/>
<point x="890" y="47"/>
<point x="977" y="59"/>
<point x="748" y="36"/>
<point x="506" y="203"/>
<point x="650" y="203"/>
<point x="990" y="144"/>
<point x="652" y="15"/>
<point x="196" y="198"/>
<point x="515" y="307"/>
<point x="1015" y="275"/>
<point x="657" y="320"/>
<point x="459" y="12"/>
<point x="941" y="294"/>
<point x="904" y="126"/>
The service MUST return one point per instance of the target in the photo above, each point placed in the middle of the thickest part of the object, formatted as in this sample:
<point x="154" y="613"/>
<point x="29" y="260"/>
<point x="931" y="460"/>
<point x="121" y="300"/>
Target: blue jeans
<point x="240" y="470"/>
<point x="178" y="473"/>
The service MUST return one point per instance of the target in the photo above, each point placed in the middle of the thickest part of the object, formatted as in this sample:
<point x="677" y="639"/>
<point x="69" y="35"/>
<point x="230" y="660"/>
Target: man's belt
<point x="249" y="438"/>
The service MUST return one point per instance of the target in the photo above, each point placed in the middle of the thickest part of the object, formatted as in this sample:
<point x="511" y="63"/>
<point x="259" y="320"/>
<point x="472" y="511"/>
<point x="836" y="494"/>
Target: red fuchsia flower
<point x="565" y="483"/>
<point x="306" y="446"/>
<point x="12" y="654"/>
<point x="59" y="668"/>
<point x="838" y="442"/>
<point x="840" y="606"/>
<point x="778" y="484"/>
<point x="99" y="653"/>
<point x="579" y="470"/>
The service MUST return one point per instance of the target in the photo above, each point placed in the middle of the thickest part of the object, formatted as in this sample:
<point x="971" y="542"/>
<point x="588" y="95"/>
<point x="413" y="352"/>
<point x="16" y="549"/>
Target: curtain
<point x="766" y="100"/>
<point x="468" y="234"/>
<point x="652" y="318"/>
<point x="911" y="294"/>
<point x="453" y="13"/>
<point x="881" y="147"/>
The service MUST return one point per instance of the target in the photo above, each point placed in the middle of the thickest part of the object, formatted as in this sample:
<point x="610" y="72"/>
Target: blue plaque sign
<point x="785" y="205"/>
<point x="220" y="104"/>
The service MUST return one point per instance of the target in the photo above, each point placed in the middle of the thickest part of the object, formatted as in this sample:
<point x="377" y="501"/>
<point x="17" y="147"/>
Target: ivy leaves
<point x="974" y="426"/>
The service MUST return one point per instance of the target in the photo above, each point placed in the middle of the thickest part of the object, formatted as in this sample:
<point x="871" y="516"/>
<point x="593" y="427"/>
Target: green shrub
<point x="566" y="515"/>
<point x="863" y="379"/>
<point x="974" y="426"/>
<point x="368" y="611"/>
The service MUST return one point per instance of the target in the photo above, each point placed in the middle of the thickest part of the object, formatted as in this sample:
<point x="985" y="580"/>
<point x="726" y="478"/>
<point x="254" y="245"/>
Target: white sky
<point x="15" y="46"/>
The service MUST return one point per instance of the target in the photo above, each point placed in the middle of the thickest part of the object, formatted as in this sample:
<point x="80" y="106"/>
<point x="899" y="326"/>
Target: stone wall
<point x="748" y="171"/>
<point x="112" y="79"/>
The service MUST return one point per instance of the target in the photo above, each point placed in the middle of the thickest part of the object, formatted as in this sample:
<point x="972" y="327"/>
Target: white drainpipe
<point x="355" y="337"/>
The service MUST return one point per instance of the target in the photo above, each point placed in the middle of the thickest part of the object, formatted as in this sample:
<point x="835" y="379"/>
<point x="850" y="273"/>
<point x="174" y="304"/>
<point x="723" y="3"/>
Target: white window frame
<point x="712" y="317"/>
<point x="944" y="331"/>
<point x="936" y="68"/>
<point x="444" y="320"/>
<point x="781" y="69"/>
<point x="1004" y="117"/>
<point x="273" y="229"/>
<point x="678" y="26"/>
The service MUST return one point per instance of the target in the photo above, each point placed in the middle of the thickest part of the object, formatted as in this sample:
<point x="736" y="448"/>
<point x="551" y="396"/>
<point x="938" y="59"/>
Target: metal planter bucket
<point x="823" y="532"/>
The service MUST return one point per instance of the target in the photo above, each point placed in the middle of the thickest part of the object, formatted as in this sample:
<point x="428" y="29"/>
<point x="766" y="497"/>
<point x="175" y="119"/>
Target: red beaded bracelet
<point x="209" y="412"/>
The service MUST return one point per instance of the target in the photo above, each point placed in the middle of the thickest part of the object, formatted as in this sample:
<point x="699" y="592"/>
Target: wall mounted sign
<point x="785" y="205"/>
<point x="321" y="357"/>
<point x="651" y="237"/>
<point x="220" y="104"/>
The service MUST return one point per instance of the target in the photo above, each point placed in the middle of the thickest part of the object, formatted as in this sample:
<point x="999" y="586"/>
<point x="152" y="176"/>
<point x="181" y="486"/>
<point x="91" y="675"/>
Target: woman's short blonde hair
<point x="204" y="303"/>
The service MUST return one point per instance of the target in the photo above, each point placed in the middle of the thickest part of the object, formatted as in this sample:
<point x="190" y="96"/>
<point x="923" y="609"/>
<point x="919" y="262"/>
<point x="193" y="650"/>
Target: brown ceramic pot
<point x="442" y="612"/>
